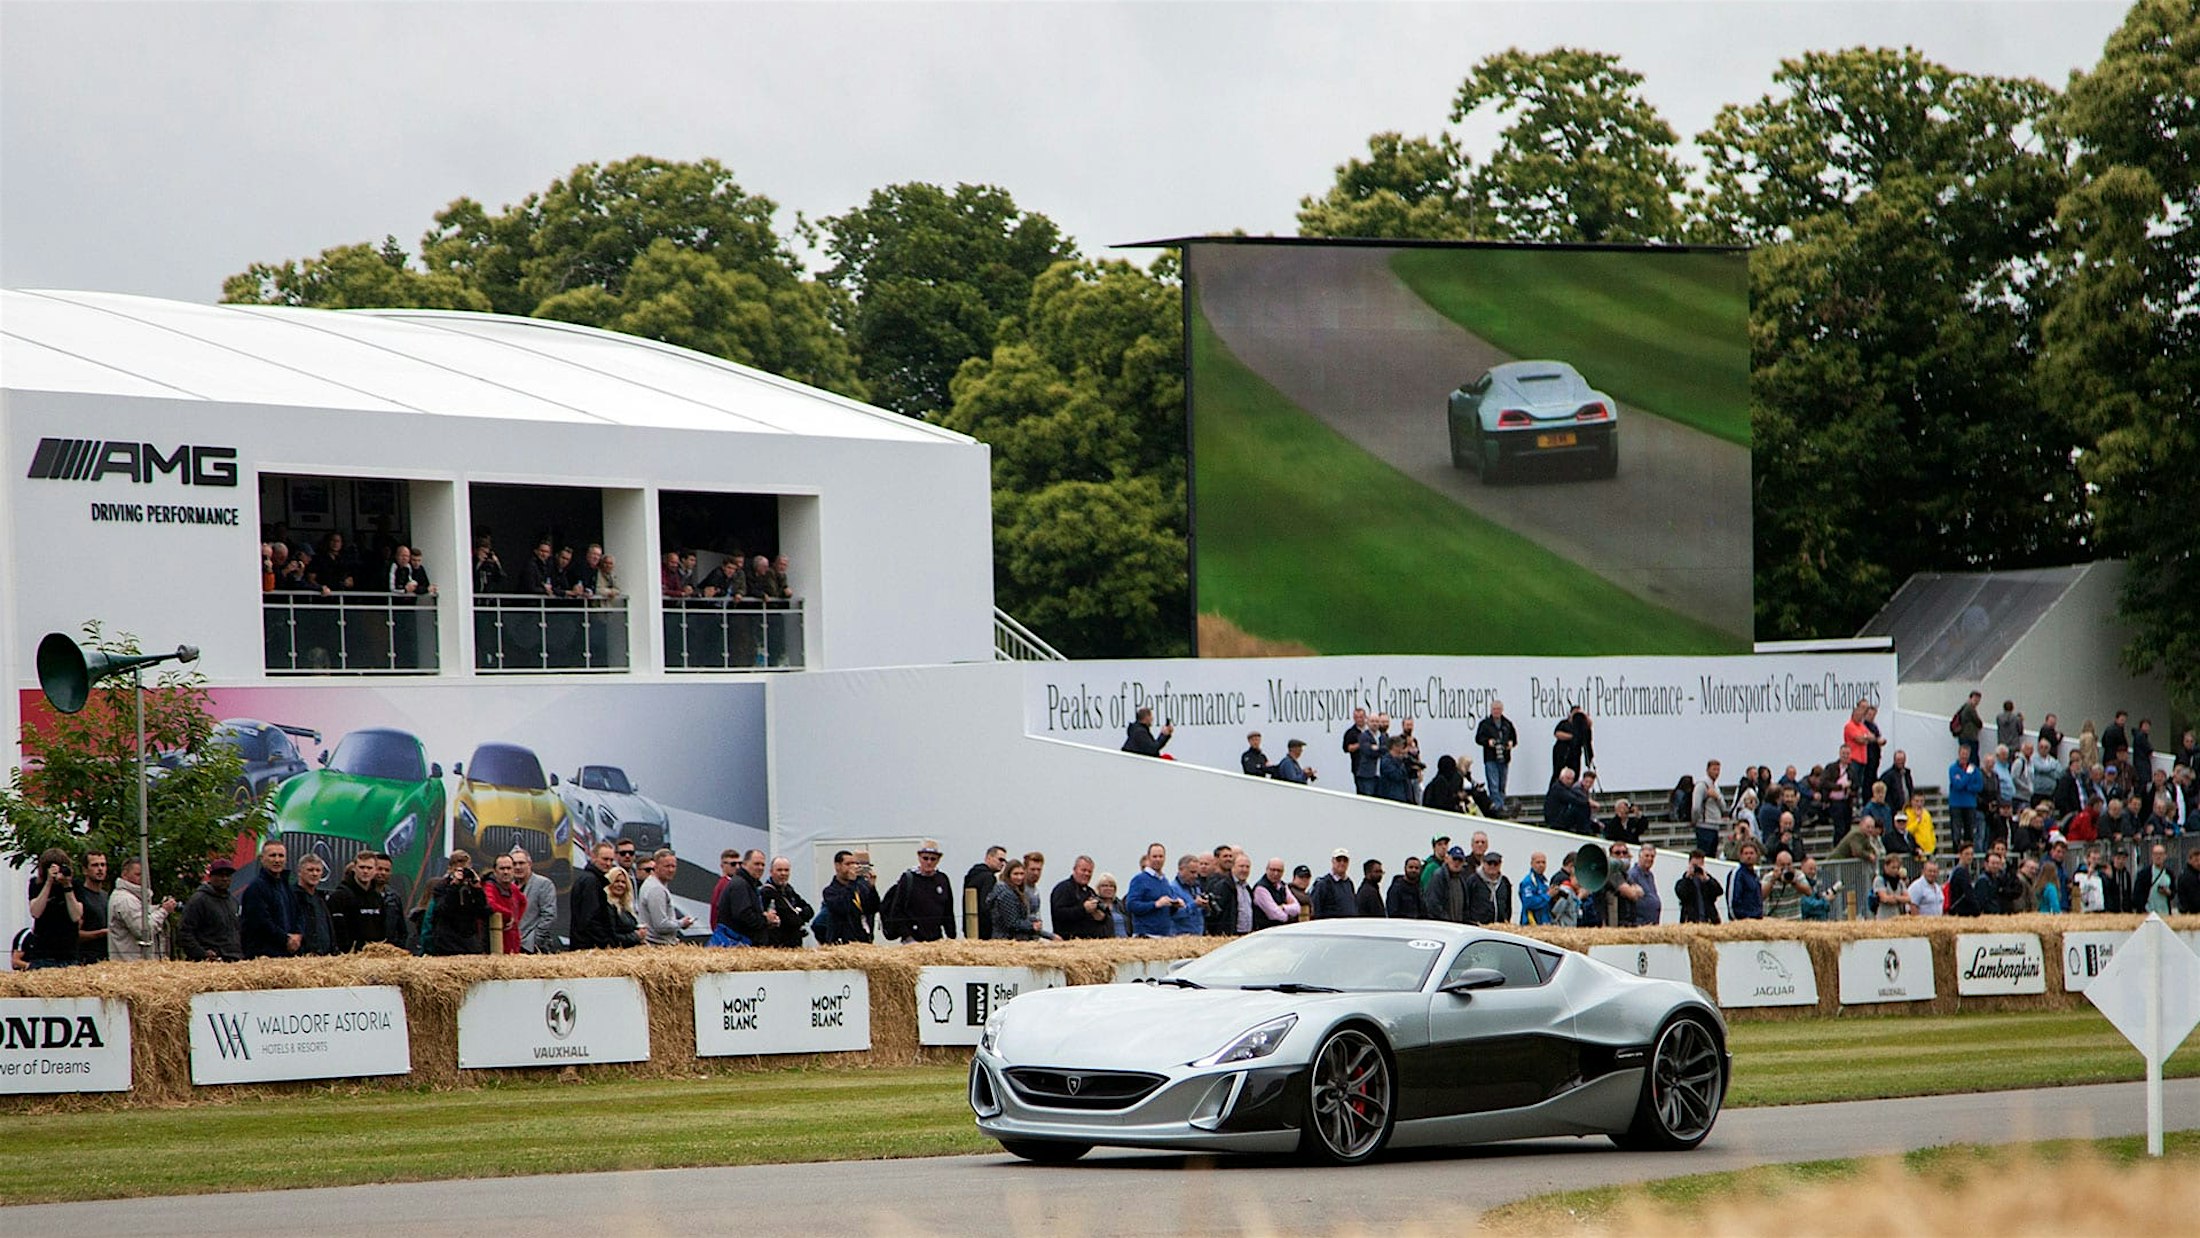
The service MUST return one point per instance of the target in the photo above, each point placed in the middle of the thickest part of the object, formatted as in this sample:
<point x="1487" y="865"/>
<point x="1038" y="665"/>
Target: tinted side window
<point x="1513" y="960"/>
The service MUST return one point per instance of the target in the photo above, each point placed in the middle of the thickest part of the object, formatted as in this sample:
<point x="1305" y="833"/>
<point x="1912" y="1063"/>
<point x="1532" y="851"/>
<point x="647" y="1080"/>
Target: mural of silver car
<point x="1524" y="411"/>
<point x="1340" y="1038"/>
<point x="607" y="806"/>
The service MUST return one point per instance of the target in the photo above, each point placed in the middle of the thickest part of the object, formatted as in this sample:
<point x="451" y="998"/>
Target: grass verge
<point x="1781" y="1190"/>
<point x="1667" y="333"/>
<point x="1305" y="537"/>
<point x="546" y="1125"/>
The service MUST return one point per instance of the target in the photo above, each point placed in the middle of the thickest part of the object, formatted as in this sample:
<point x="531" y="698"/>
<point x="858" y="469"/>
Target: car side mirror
<point x="434" y="770"/>
<point x="324" y="758"/>
<point x="1473" y="978"/>
<point x="458" y="768"/>
<point x="553" y="780"/>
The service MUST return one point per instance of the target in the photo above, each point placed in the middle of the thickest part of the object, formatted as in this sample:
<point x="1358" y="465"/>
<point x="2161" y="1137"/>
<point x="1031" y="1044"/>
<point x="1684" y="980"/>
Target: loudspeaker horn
<point x="66" y="673"/>
<point x="1592" y="868"/>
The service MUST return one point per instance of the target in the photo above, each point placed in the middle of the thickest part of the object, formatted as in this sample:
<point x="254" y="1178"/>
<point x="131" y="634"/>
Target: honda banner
<point x="265" y="1035"/>
<point x="64" y="1044"/>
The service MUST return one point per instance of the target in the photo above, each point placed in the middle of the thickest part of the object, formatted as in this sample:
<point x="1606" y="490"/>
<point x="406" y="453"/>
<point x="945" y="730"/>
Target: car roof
<point x="384" y="730"/>
<point x="1408" y="930"/>
<point x="481" y="750"/>
<point x="1512" y="371"/>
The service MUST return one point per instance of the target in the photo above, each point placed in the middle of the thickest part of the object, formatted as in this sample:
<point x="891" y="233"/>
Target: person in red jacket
<point x="507" y="899"/>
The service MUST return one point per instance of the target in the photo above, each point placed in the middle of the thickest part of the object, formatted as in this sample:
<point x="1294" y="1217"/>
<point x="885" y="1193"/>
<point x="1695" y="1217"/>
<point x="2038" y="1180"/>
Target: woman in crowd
<point x="1118" y="918"/>
<point x="1891" y="890"/>
<point x="506" y="899"/>
<point x="1009" y="910"/>
<point x="619" y="893"/>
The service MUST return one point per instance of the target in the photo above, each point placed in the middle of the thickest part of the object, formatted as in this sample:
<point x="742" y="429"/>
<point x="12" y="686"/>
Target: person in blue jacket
<point x="1154" y="899"/>
<point x="268" y="910"/>
<point x="1535" y="892"/>
<point x="1745" y="893"/>
<point x="1965" y="781"/>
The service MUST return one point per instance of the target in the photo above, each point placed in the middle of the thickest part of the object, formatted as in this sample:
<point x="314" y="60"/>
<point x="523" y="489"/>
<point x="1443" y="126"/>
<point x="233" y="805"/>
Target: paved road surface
<point x="1109" y="1193"/>
<point x="1337" y="332"/>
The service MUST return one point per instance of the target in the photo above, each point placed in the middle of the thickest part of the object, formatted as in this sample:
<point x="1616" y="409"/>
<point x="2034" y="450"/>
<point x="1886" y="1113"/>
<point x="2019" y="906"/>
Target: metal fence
<point x="1013" y="642"/>
<point x="705" y="634"/>
<point x="522" y="634"/>
<point x="349" y="634"/>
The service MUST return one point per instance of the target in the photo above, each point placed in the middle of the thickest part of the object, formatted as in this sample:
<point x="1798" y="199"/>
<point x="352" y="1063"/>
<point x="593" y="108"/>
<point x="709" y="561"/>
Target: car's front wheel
<point x="1682" y="1089"/>
<point x="1045" y="1151"/>
<point x="1350" y="1100"/>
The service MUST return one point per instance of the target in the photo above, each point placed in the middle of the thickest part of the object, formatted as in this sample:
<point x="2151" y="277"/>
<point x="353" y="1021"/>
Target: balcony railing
<point x="1013" y="642"/>
<point x="705" y="634"/>
<point x="522" y="634"/>
<point x="349" y="634"/>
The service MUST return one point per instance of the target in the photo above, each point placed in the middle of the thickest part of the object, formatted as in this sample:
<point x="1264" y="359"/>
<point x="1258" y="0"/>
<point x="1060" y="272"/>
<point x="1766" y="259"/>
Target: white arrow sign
<point x="2150" y="991"/>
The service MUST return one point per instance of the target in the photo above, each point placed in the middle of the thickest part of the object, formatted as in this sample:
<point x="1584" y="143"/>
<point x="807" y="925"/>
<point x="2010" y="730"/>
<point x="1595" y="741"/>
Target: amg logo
<point x="84" y="459"/>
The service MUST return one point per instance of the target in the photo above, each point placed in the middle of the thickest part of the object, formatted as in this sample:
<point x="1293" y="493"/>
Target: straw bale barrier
<point x="160" y="993"/>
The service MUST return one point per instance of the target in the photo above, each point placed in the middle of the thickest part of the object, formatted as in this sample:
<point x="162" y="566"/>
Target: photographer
<point x="794" y="912"/>
<point x="1785" y="888"/>
<point x="850" y="901"/>
<point x="55" y="912"/>
<point x="458" y="910"/>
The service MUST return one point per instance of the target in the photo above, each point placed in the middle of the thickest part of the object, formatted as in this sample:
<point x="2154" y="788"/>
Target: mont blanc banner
<point x="1653" y="718"/>
<point x="744" y="1012"/>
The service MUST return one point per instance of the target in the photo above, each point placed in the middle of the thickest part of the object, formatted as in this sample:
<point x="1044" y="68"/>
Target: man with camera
<point x="794" y="911"/>
<point x="459" y="910"/>
<point x="56" y="912"/>
<point x="849" y="903"/>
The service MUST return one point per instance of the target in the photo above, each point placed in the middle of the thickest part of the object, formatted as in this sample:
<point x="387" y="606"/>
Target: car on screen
<point x="604" y="805"/>
<point x="268" y="749"/>
<point x="1525" y="412"/>
<point x="1338" y="1038"/>
<point x="376" y="791"/>
<point x="504" y="800"/>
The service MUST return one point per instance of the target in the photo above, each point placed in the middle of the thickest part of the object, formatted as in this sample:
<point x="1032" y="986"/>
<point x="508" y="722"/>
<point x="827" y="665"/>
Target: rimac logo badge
<point x="229" y="1036"/>
<point x="87" y="459"/>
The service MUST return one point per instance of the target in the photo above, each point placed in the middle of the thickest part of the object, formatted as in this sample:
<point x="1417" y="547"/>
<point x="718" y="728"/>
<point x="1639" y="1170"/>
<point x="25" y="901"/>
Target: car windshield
<point x="605" y="778"/>
<point x="1316" y="961"/>
<point x="380" y="754"/>
<point x="506" y="766"/>
<point x="247" y="743"/>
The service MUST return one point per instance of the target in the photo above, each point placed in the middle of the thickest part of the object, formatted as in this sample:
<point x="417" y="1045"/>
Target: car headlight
<point x="400" y="838"/>
<point x="992" y="1033"/>
<point x="469" y="827"/>
<point x="1258" y="1043"/>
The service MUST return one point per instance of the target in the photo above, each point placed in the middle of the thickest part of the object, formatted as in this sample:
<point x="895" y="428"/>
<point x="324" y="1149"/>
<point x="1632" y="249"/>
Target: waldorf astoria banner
<point x="262" y="1035"/>
<point x="1652" y="718"/>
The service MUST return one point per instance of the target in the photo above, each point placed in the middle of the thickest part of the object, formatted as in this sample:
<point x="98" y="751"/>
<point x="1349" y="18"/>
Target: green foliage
<point x="1407" y="188"/>
<point x="1583" y="157"/>
<point x="929" y="274"/>
<point x="78" y="790"/>
<point x="352" y="277"/>
<point x="2121" y="347"/>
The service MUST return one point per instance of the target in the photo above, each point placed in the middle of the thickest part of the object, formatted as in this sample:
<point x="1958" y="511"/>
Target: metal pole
<point x="2155" y="1049"/>
<point x="145" y="833"/>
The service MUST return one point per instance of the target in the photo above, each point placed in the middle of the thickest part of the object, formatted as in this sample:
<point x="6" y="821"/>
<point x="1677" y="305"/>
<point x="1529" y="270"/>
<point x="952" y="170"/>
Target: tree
<point x="929" y="274"/>
<point x="2121" y="345"/>
<point x="1584" y="158"/>
<point x="78" y="790"/>
<point x="1406" y="189"/>
<point x="352" y="277"/>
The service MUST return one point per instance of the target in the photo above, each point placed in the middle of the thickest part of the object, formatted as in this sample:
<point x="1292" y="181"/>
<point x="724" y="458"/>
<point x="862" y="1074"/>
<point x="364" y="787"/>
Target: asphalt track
<point x="1338" y="333"/>
<point x="1108" y="1193"/>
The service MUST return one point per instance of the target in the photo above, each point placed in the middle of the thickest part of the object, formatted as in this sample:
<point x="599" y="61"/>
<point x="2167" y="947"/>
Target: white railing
<point x="706" y="634"/>
<point x="522" y="634"/>
<point x="1013" y="642"/>
<point x="349" y="634"/>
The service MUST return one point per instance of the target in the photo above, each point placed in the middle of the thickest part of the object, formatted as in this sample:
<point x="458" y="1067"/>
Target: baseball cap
<point x="929" y="847"/>
<point x="1456" y="853"/>
<point x="221" y="866"/>
<point x="1340" y="854"/>
<point x="1440" y="838"/>
<point x="1491" y="857"/>
<point x="1302" y="871"/>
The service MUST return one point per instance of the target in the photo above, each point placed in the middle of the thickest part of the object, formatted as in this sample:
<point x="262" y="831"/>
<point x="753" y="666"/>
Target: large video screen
<point x="1469" y="449"/>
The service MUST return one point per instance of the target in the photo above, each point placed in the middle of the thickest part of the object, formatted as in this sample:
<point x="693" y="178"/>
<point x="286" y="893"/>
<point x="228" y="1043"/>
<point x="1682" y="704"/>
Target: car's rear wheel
<point x="1682" y="1089"/>
<point x="1045" y="1151"/>
<point x="1350" y="1099"/>
<point x="1606" y="461"/>
<point x="1490" y="462"/>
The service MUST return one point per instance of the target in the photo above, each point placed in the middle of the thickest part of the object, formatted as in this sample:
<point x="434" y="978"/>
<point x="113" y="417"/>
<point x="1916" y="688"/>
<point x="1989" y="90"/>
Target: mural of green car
<point x="377" y="791"/>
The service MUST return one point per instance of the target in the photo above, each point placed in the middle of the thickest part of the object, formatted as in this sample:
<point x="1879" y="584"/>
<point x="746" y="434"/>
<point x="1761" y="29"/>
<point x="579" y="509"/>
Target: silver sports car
<point x="1338" y="1038"/>
<point x="1532" y="410"/>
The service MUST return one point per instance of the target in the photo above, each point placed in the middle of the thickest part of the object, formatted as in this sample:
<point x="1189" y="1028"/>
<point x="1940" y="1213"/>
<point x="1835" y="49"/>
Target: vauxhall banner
<point x="953" y="1003"/>
<point x="1766" y="973"/>
<point x="265" y="1035"/>
<point x="1886" y="969"/>
<point x="64" y="1044"/>
<point x="553" y="1022"/>
<point x="1997" y="964"/>
<point x="746" y="1012"/>
<point x="1653" y="718"/>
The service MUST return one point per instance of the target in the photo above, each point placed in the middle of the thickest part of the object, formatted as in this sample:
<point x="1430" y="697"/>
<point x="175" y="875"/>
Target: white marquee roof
<point x="402" y="360"/>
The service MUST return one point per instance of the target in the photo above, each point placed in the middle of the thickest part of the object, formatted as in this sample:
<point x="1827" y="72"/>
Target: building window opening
<point x="344" y="590"/>
<point x="723" y="579"/>
<point x="547" y="597"/>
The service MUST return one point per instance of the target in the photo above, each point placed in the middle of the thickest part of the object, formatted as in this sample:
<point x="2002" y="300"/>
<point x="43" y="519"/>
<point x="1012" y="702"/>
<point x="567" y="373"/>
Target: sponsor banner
<point x="2086" y="955"/>
<point x="1659" y="961"/>
<point x="553" y="1022"/>
<point x="953" y="1003"/>
<point x="1993" y="964"/>
<point x="264" y="1035"/>
<point x="1653" y="715"/>
<point x="1886" y="969"/>
<point x="1766" y="973"/>
<point x="749" y="1012"/>
<point x="64" y="1044"/>
<point x="1145" y="969"/>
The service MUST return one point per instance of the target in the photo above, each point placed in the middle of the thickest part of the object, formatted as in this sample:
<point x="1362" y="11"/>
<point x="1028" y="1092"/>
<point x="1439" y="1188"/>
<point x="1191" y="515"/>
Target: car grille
<point x="335" y="852"/>
<point x="1089" y="1089"/>
<point x="496" y="840"/>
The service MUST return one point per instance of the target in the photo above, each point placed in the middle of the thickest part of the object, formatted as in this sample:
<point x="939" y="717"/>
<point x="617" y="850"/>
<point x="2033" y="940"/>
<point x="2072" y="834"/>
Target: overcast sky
<point x="158" y="148"/>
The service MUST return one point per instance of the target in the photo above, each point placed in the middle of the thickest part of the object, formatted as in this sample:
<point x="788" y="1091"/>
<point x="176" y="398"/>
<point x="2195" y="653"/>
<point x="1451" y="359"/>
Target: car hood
<point x="1137" y="1026"/>
<point x="514" y="806"/>
<point x="625" y="805"/>
<point x="322" y="802"/>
